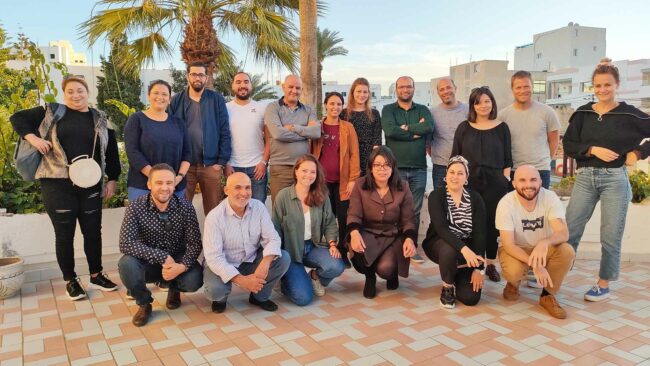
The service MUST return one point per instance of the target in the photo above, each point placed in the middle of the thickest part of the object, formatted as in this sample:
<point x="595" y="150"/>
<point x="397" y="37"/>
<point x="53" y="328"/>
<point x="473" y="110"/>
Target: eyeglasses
<point x="484" y="87"/>
<point x="164" y="217"/>
<point x="379" y="166"/>
<point x="197" y="76"/>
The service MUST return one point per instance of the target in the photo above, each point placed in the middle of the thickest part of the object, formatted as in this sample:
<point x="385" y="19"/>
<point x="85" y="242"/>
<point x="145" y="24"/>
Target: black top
<point x="76" y="133"/>
<point x="621" y="130"/>
<point x="368" y="131"/>
<point x="151" y="235"/>
<point x="487" y="151"/>
<point x="439" y="227"/>
<point x="150" y="142"/>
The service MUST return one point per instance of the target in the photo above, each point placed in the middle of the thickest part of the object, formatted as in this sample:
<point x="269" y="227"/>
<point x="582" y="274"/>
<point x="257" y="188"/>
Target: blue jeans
<point x="135" y="273"/>
<point x="296" y="283"/>
<point x="134" y="193"/>
<point x="217" y="290"/>
<point x="611" y="187"/>
<point x="258" y="186"/>
<point x="417" y="180"/>
<point x="438" y="173"/>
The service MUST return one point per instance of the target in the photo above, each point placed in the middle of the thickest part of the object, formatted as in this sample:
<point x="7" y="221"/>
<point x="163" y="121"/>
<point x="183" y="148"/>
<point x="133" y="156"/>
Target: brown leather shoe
<point x="492" y="273"/>
<point x="551" y="305"/>
<point x="173" y="299"/>
<point x="511" y="292"/>
<point x="141" y="317"/>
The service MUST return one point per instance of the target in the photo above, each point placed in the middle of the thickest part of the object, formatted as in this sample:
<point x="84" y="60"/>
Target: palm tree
<point x="327" y="47"/>
<point x="261" y="89"/>
<point x="262" y="24"/>
<point x="308" y="50"/>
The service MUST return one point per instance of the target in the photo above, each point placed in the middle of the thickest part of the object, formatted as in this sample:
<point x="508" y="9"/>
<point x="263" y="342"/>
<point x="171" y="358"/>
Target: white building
<point x="570" y="46"/>
<point x="423" y="94"/>
<point x="62" y="51"/>
<point x="344" y="89"/>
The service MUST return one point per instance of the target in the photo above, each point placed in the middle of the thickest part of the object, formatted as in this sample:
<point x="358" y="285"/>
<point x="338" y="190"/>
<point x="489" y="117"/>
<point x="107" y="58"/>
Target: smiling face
<point x="241" y="86"/>
<point x="239" y="191"/>
<point x="333" y="106"/>
<point x="605" y="86"/>
<point x="483" y="106"/>
<point x="522" y="90"/>
<point x="405" y="89"/>
<point x="361" y="95"/>
<point x="75" y="96"/>
<point x="159" y="97"/>
<point x="292" y="88"/>
<point x="381" y="170"/>
<point x="527" y="182"/>
<point x="305" y="173"/>
<point x="447" y="92"/>
<point x="456" y="177"/>
<point x="161" y="185"/>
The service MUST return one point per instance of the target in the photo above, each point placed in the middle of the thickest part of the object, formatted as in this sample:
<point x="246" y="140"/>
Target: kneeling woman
<point x="456" y="233"/>
<point x="302" y="215"/>
<point x="381" y="223"/>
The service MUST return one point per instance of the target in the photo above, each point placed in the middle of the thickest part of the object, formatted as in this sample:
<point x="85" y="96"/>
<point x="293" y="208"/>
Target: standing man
<point x="250" y="145"/>
<point x="241" y="246"/>
<point x="534" y="128"/>
<point x="533" y="231"/>
<point x="446" y="116"/>
<point x="407" y="126"/>
<point x="205" y="115"/>
<point x="160" y="240"/>
<point x="291" y="124"/>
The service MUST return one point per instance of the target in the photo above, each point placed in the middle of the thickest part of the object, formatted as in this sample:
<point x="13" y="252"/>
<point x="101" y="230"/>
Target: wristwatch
<point x="181" y="174"/>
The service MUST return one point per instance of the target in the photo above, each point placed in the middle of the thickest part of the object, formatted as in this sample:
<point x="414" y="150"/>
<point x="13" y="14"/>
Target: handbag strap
<point x="94" y="144"/>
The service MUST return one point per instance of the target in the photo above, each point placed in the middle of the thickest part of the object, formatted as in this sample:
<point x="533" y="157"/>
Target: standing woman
<point x="381" y="223"/>
<point x="365" y="119"/>
<point x="338" y="152"/>
<point x="62" y="132"/>
<point x="599" y="136"/>
<point x="455" y="236"/>
<point x="152" y="137"/>
<point x="485" y="142"/>
<point x="303" y="217"/>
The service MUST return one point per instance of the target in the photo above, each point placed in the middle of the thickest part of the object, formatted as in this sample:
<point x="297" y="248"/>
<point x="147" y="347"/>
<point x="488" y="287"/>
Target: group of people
<point x="340" y="198"/>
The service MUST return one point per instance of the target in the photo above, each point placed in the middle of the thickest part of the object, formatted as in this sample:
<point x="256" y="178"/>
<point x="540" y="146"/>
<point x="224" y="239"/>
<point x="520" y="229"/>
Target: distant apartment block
<point x="570" y="46"/>
<point x="421" y="95"/>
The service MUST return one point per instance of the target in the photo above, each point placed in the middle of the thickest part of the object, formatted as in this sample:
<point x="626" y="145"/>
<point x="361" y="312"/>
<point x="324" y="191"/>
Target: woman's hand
<point x="631" y="158"/>
<point x="477" y="280"/>
<point x="471" y="258"/>
<point x="43" y="146"/>
<point x="349" y="188"/>
<point x="408" y="248"/>
<point x="356" y="242"/>
<point x="603" y="154"/>
<point x="334" y="252"/>
<point x="109" y="189"/>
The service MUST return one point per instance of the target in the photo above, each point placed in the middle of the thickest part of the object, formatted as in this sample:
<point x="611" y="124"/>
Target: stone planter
<point x="12" y="276"/>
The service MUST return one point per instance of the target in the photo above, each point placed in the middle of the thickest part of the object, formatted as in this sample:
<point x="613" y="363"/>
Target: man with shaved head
<point x="291" y="124"/>
<point x="241" y="246"/>
<point x="533" y="234"/>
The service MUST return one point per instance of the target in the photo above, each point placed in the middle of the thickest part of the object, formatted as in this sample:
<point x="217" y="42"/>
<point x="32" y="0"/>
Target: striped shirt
<point x="460" y="218"/>
<point x="230" y="240"/>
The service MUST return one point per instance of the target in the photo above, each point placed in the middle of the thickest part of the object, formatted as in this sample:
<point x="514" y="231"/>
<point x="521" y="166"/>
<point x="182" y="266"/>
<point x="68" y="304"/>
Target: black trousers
<point x="66" y="204"/>
<point x="492" y="187"/>
<point x="448" y="259"/>
<point x="340" y="209"/>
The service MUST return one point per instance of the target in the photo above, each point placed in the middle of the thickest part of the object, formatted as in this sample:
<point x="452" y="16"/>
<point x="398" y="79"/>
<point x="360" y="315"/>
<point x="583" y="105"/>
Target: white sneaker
<point x="319" y="289"/>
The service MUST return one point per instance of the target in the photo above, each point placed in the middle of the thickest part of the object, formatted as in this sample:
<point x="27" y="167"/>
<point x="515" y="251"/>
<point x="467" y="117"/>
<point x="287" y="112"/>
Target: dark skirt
<point x="376" y="245"/>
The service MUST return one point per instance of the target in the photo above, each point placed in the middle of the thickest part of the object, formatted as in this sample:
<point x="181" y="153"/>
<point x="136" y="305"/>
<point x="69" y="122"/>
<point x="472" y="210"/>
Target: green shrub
<point x="564" y="187"/>
<point x="640" y="182"/>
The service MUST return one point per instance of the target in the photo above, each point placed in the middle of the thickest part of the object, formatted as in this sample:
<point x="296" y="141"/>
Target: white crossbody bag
<point x="84" y="171"/>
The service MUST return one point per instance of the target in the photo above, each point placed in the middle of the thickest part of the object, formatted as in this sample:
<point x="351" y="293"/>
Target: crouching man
<point x="160" y="240"/>
<point x="534" y="234"/>
<point x="241" y="246"/>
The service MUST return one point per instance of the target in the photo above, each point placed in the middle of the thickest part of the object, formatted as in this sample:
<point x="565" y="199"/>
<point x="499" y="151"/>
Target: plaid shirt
<point x="152" y="235"/>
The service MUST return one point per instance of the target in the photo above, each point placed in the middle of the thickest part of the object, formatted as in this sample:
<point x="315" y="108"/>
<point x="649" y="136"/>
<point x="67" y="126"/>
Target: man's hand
<point x="409" y="248"/>
<point x="260" y="170"/>
<point x="262" y="270"/>
<point x="537" y="257"/>
<point x="172" y="271"/>
<point x="542" y="277"/>
<point x="603" y="154"/>
<point x="312" y="123"/>
<point x="251" y="282"/>
<point x="428" y="149"/>
<point x="227" y="170"/>
<point x="404" y="127"/>
<point x="217" y="167"/>
<point x="356" y="242"/>
<point x="288" y="127"/>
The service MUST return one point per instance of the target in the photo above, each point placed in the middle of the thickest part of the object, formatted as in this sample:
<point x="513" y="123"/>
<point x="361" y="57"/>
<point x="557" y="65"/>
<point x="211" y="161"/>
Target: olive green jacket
<point x="289" y="221"/>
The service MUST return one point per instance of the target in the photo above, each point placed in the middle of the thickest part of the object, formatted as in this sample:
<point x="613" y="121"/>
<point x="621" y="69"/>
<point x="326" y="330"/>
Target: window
<point x="52" y="56"/>
<point x="645" y="77"/>
<point x="587" y="87"/>
<point x="576" y="32"/>
<point x="539" y="55"/>
<point x="575" y="52"/>
<point x="477" y="67"/>
<point x="345" y="94"/>
<point x="539" y="87"/>
<point x="373" y="94"/>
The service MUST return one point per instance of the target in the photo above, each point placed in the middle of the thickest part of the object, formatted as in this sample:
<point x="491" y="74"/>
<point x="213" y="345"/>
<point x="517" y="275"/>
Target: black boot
<point x="370" y="288"/>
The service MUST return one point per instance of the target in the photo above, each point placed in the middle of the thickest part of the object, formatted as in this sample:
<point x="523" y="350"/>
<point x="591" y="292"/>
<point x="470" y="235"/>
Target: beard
<point x="527" y="197"/>
<point x="197" y="87"/>
<point x="243" y="97"/>
<point x="405" y="100"/>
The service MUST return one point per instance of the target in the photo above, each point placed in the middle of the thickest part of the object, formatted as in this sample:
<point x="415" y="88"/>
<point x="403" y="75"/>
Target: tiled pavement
<point x="42" y="327"/>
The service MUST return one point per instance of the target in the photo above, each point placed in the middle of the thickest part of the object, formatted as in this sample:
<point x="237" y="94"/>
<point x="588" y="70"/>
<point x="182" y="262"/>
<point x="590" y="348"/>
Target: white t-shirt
<point x="307" y="225"/>
<point x="247" y="133"/>
<point x="529" y="134"/>
<point x="529" y="227"/>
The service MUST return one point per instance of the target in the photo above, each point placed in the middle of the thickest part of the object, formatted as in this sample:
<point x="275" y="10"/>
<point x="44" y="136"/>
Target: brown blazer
<point x="348" y="155"/>
<point x="384" y="223"/>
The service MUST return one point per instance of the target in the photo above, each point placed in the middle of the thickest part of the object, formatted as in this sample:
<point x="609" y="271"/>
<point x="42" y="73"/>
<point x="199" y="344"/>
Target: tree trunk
<point x="319" y="90"/>
<point x="308" y="51"/>
<point x="200" y="44"/>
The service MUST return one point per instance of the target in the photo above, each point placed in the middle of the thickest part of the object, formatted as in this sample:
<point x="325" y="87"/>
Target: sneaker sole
<point x="447" y="306"/>
<point x="417" y="260"/>
<point x="78" y="297"/>
<point x="597" y="298"/>
<point x="100" y="288"/>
